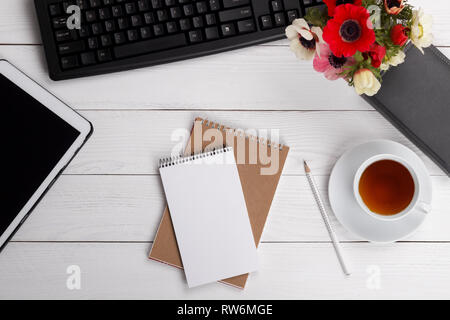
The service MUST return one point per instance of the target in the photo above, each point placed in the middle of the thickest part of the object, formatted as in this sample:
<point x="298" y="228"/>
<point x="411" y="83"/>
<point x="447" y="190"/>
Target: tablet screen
<point x="36" y="139"/>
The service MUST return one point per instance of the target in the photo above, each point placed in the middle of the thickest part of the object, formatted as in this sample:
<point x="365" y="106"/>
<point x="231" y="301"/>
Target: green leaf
<point x="359" y="57"/>
<point x="317" y="17"/>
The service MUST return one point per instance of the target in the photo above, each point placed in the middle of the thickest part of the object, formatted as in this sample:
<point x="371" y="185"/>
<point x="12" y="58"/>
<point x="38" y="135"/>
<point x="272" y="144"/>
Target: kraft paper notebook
<point x="209" y="216"/>
<point x="259" y="177"/>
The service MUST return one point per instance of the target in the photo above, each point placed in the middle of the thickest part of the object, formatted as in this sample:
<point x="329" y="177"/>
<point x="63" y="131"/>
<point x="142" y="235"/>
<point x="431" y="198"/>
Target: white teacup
<point x="413" y="205"/>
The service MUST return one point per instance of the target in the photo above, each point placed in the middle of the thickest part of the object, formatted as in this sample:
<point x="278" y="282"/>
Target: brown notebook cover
<point x="259" y="189"/>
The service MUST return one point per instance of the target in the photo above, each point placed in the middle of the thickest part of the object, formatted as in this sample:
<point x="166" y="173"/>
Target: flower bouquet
<point x="357" y="39"/>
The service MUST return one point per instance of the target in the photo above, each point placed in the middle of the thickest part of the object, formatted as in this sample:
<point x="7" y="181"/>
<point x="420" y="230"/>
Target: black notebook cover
<point x="415" y="97"/>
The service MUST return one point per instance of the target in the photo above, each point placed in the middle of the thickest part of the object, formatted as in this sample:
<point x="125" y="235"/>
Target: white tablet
<point x="42" y="135"/>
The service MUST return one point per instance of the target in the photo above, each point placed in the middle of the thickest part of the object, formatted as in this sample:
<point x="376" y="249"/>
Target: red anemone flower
<point x="398" y="35"/>
<point x="394" y="7"/>
<point x="349" y="31"/>
<point x="377" y="53"/>
<point x="332" y="4"/>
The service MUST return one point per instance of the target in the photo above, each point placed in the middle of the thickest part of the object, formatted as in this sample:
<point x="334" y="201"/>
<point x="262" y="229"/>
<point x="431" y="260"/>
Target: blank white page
<point x="210" y="217"/>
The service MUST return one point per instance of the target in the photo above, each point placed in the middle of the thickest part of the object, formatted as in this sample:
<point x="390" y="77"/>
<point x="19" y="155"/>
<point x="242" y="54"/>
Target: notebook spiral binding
<point x="172" y="161"/>
<point x="240" y="133"/>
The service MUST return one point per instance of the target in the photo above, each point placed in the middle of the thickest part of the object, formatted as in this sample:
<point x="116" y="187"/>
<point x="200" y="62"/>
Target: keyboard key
<point x="171" y="27"/>
<point x="195" y="36"/>
<point x="228" y="29"/>
<point x="143" y="5"/>
<point x="158" y="29"/>
<point x="175" y="12"/>
<point x="130" y="8"/>
<point x="149" y="18"/>
<point x="162" y="15"/>
<point x="104" y="55"/>
<point x="104" y="13"/>
<point x="197" y="22"/>
<point x="55" y="9"/>
<point x="185" y="24"/>
<point x="119" y="38"/>
<point x="59" y="23"/>
<point x="170" y="3"/>
<point x="210" y="19"/>
<point x="84" y="31"/>
<point x="65" y="35"/>
<point x="188" y="10"/>
<point x="91" y="16"/>
<point x="277" y="5"/>
<point x="235" y="3"/>
<point x="83" y="4"/>
<point x="88" y="58"/>
<point x="145" y="32"/>
<point x="201" y="7"/>
<point x="246" y="26"/>
<point x="110" y="26"/>
<point x="149" y="46"/>
<point x="132" y="35"/>
<point x="212" y="33"/>
<point x="106" y="40"/>
<point x="67" y="4"/>
<point x="95" y="3"/>
<point x="97" y="28"/>
<point x="71" y="47"/>
<point x="93" y="43"/>
<point x="292" y="15"/>
<point x="122" y="23"/>
<point x="117" y="11"/>
<point x="214" y="5"/>
<point x="235" y="14"/>
<point x="280" y="19"/>
<point x="156" y="4"/>
<point x="266" y="22"/>
<point x="136" y="21"/>
<point x="69" y="62"/>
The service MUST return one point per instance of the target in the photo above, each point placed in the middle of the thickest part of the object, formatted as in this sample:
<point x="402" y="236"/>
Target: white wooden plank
<point x="131" y="142"/>
<point x="295" y="271"/>
<point x="256" y="78"/>
<point x="129" y="208"/>
<point x="18" y="22"/>
<point x="252" y="78"/>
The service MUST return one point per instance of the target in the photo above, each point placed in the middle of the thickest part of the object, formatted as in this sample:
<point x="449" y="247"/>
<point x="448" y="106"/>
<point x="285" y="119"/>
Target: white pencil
<point x="333" y="237"/>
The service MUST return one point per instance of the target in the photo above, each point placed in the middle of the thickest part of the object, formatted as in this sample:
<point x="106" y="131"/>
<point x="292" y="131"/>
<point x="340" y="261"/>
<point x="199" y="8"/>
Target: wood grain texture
<point x="256" y="78"/>
<point x="129" y="208"/>
<point x="287" y="271"/>
<point x="131" y="142"/>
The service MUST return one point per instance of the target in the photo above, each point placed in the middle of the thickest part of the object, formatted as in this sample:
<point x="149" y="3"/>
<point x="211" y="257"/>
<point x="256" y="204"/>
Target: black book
<point x="415" y="98"/>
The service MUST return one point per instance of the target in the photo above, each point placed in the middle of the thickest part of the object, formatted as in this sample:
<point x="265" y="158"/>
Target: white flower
<point x="304" y="40"/>
<point x="421" y="33"/>
<point x="365" y="82"/>
<point x="396" y="60"/>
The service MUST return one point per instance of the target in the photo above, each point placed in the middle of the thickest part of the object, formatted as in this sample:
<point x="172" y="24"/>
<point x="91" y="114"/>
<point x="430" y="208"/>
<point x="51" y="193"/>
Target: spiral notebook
<point x="258" y="189"/>
<point x="209" y="216"/>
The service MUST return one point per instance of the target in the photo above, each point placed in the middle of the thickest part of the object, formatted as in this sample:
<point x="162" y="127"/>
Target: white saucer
<point x="352" y="216"/>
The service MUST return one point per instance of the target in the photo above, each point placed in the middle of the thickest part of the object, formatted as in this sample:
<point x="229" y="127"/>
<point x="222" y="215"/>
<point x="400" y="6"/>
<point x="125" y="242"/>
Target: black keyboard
<point x="120" y="35"/>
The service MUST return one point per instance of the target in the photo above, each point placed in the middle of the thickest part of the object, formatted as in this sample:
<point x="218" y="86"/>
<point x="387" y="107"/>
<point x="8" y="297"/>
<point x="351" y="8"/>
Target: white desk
<point x="102" y="214"/>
